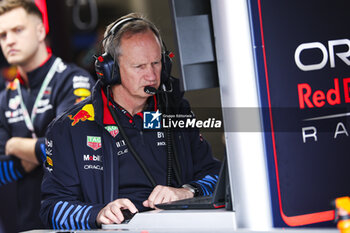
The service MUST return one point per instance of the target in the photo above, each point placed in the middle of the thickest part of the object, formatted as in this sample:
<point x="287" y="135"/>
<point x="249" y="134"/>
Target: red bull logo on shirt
<point x="12" y="85"/>
<point x="49" y="161"/>
<point x="86" y="113"/>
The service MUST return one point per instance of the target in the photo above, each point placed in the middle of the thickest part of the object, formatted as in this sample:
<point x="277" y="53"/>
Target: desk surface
<point x="275" y="230"/>
<point x="187" y="221"/>
<point x="216" y="219"/>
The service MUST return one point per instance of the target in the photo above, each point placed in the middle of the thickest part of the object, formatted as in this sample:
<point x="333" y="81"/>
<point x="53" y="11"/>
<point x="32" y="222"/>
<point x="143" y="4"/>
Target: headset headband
<point x="116" y="27"/>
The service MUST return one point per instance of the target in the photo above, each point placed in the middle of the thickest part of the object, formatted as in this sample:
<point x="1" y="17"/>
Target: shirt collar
<point x="36" y="76"/>
<point x="107" y="116"/>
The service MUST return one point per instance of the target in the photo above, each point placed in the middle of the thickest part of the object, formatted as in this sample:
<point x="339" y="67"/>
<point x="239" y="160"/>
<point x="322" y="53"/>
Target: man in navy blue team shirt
<point x="94" y="149"/>
<point x="44" y="87"/>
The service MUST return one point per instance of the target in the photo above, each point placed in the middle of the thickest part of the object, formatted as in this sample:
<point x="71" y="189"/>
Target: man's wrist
<point x="192" y="189"/>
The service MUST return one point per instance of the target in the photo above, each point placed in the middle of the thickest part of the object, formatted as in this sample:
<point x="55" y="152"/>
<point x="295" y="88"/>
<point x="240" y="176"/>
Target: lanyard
<point x="29" y="120"/>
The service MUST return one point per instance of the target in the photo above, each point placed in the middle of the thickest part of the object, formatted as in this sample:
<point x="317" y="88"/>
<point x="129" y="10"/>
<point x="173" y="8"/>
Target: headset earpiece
<point x="106" y="69"/>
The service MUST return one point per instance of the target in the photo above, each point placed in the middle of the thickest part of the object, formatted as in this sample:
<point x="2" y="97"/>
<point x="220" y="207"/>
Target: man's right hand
<point x="112" y="213"/>
<point x="28" y="166"/>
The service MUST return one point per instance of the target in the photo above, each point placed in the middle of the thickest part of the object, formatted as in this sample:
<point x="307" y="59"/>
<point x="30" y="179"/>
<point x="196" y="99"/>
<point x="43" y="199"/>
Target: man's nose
<point x="151" y="73"/>
<point x="10" y="39"/>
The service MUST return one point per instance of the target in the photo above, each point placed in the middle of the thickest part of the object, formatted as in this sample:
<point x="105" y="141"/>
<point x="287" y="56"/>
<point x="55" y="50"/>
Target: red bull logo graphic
<point x="49" y="161"/>
<point x="12" y="85"/>
<point x="86" y="113"/>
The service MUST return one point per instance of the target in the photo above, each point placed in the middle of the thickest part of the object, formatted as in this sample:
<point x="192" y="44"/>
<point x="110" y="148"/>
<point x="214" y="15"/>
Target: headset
<point x="107" y="69"/>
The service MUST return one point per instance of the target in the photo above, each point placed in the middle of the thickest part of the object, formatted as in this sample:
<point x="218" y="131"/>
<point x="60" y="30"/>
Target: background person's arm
<point x="22" y="148"/>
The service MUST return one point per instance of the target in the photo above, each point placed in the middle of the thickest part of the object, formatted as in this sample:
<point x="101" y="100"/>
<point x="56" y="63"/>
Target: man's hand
<point x="22" y="148"/>
<point x="28" y="166"/>
<point x="112" y="213"/>
<point x="162" y="194"/>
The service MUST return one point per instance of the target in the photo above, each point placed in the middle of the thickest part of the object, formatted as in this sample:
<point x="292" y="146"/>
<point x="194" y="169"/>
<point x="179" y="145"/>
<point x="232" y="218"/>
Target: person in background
<point x="102" y="161"/>
<point x="44" y="88"/>
<point x="7" y="75"/>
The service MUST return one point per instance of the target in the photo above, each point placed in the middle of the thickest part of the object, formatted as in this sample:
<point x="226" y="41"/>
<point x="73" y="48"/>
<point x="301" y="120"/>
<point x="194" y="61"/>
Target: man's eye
<point x="156" y="63"/>
<point x="2" y="36"/>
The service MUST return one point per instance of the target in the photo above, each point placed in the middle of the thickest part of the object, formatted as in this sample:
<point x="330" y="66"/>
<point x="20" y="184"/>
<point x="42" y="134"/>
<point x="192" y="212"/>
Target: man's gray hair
<point x="131" y="24"/>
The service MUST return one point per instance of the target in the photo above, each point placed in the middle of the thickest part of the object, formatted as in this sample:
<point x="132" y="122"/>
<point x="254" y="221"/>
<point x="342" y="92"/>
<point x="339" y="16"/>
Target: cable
<point x="131" y="148"/>
<point x="173" y="166"/>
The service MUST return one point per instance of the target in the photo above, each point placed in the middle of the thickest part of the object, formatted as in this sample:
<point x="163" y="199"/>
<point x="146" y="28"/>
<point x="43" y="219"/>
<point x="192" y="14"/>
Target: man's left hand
<point x="162" y="194"/>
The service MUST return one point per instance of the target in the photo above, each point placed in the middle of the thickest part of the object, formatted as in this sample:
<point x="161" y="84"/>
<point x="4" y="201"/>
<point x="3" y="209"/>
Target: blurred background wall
<point x="76" y="29"/>
<point x="78" y="45"/>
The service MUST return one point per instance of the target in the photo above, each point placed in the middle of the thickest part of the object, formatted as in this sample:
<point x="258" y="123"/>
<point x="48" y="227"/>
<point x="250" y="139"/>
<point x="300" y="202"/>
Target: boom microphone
<point x="150" y="90"/>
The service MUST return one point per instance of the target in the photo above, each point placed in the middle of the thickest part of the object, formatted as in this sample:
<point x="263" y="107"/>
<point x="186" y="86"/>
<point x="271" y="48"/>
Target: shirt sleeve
<point x="40" y="152"/>
<point x="10" y="166"/>
<point x="206" y="167"/>
<point x="10" y="169"/>
<point x="61" y="206"/>
<point x="4" y="128"/>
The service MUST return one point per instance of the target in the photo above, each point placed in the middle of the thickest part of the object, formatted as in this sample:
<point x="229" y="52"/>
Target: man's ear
<point x="41" y="32"/>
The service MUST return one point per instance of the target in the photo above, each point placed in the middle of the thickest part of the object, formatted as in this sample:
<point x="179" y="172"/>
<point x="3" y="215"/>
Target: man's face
<point x="19" y="36"/>
<point x="140" y="63"/>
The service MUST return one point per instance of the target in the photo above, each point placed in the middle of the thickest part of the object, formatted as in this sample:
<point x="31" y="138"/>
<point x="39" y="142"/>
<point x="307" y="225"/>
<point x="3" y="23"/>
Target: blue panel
<point x="311" y="154"/>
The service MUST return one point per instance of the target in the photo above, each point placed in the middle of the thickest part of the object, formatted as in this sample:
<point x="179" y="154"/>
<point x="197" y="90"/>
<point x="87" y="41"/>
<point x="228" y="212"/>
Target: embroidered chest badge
<point x="94" y="142"/>
<point x="113" y="130"/>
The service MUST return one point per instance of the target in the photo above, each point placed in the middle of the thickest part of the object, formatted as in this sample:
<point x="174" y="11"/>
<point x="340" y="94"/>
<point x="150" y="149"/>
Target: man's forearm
<point x="22" y="148"/>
